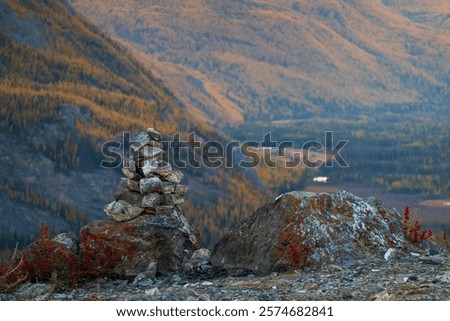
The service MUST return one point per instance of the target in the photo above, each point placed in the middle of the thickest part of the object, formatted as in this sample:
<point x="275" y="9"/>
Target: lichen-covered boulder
<point x="127" y="248"/>
<point x="305" y="229"/>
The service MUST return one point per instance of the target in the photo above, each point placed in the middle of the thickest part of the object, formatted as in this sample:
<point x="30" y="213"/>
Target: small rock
<point x="168" y="187"/>
<point x="121" y="211"/>
<point x="140" y="140"/>
<point x="175" y="278"/>
<point x="177" y="199"/>
<point x="164" y="210"/>
<point x="173" y="177"/>
<point x="435" y="259"/>
<point x="151" y="200"/>
<point x="181" y="189"/>
<point x="151" y="270"/>
<point x="163" y="168"/>
<point x="410" y="278"/>
<point x="430" y="248"/>
<point x="67" y="239"/>
<point x="200" y="257"/>
<point x="263" y="297"/>
<point x="390" y="254"/>
<point x="207" y="283"/>
<point x="154" y="134"/>
<point x="153" y="292"/>
<point x="132" y="185"/>
<point x="150" y="185"/>
<point x="149" y="167"/>
<point x="129" y="196"/>
<point x="59" y="296"/>
<point x="334" y="268"/>
<point x="143" y="279"/>
<point x="130" y="174"/>
<point x="283" y="281"/>
<point x="383" y="296"/>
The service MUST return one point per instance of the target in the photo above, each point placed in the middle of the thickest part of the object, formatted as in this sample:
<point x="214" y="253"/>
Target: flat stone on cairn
<point x="151" y="186"/>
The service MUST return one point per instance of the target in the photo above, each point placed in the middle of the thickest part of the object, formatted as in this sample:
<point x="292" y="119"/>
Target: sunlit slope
<point x="260" y="59"/>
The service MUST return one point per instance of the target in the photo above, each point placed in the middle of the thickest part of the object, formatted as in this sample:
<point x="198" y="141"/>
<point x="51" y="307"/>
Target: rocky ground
<point x="409" y="276"/>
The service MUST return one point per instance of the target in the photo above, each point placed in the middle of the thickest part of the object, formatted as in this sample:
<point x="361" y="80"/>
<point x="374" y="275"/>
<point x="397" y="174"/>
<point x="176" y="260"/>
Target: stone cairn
<point x="151" y="186"/>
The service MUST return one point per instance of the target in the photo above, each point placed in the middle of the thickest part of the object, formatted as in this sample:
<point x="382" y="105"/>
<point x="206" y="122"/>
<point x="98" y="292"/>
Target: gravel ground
<point x="410" y="276"/>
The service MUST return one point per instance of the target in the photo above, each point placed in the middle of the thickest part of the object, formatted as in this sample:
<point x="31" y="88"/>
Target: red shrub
<point x="412" y="229"/>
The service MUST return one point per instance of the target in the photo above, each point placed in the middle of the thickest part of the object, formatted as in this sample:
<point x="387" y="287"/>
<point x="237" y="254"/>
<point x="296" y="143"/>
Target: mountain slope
<point x="259" y="59"/>
<point x="66" y="88"/>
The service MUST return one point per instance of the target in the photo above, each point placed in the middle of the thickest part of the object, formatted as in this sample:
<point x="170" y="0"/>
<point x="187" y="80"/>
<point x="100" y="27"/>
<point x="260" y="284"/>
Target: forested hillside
<point x="375" y="72"/>
<point x="289" y="59"/>
<point x="66" y="88"/>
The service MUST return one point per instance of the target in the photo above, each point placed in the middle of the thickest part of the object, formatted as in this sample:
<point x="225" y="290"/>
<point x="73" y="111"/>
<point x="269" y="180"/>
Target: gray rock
<point x="163" y="168"/>
<point x="167" y="200"/>
<point x="68" y="240"/>
<point x="435" y="259"/>
<point x="151" y="269"/>
<point x="181" y="189"/>
<point x="132" y="165"/>
<point x="263" y="297"/>
<point x="126" y="248"/>
<point x="174" y="176"/>
<point x="153" y="292"/>
<point x="168" y="187"/>
<point x="121" y="211"/>
<point x="130" y="174"/>
<point x="143" y="279"/>
<point x="150" y="185"/>
<point x="390" y="254"/>
<point x="200" y="258"/>
<point x="60" y="296"/>
<point x="151" y="200"/>
<point x="164" y="210"/>
<point x="430" y="248"/>
<point x="149" y="167"/>
<point x="140" y="140"/>
<point x="306" y="229"/>
<point x="175" y="278"/>
<point x="129" y="196"/>
<point x="177" y="199"/>
<point x="154" y="134"/>
<point x="132" y="185"/>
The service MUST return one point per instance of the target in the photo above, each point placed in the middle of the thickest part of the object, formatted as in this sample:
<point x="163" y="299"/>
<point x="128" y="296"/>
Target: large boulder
<point x="51" y="259"/>
<point x="127" y="248"/>
<point x="306" y="229"/>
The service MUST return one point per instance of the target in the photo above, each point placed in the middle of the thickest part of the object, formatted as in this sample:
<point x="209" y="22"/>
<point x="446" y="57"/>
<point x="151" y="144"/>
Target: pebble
<point x="390" y="254"/>
<point x="153" y="291"/>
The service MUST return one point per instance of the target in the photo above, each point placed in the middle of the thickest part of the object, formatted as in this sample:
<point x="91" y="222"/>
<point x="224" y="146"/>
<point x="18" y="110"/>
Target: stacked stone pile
<point x="151" y="186"/>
